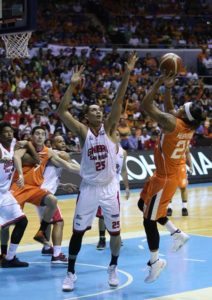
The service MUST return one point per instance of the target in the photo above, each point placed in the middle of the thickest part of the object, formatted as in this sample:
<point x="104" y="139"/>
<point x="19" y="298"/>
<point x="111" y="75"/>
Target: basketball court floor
<point x="188" y="274"/>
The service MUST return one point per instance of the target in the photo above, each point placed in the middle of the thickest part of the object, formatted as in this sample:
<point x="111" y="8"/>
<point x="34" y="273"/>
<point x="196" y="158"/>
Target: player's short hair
<point x="4" y="124"/>
<point x="36" y="128"/>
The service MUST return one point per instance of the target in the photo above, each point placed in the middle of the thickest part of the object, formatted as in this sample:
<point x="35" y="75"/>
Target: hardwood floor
<point x="198" y="222"/>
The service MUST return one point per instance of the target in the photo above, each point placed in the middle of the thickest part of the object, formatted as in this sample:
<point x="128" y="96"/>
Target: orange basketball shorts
<point x="156" y="194"/>
<point x="30" y="194"/>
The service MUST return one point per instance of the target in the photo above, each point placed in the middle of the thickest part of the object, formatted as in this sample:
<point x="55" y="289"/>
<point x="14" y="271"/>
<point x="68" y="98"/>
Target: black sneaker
<point x="169" y="212"/>
<point x="184" y="212"/>
<point x="101" y="244"/>
<point x="13" y="263"/>
<point x="48" y="251"/>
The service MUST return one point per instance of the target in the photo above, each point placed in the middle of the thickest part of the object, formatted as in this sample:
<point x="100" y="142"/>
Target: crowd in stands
<point x="31" y="89"/>
<point x="139" y="24"/>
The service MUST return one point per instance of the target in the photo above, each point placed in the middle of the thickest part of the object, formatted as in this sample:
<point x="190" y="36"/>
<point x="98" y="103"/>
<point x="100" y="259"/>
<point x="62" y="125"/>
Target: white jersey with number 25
<point x="98" y="163"/>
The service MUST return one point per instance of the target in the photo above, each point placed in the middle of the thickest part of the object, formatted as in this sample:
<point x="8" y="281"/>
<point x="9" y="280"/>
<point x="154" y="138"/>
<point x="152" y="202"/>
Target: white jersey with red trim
<point x="98" y="164"/>
<point x="6" y="167"/>
<point x="119" y="162"/>
<point x="51" y="176"/>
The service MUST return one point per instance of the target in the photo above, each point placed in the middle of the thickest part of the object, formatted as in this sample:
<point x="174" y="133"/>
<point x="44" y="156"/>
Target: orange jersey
<point x="33" y="175"/>
<point x="170" y="149"/>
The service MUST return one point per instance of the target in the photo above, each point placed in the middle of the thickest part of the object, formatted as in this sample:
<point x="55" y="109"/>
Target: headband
<point x="187" y="111"/>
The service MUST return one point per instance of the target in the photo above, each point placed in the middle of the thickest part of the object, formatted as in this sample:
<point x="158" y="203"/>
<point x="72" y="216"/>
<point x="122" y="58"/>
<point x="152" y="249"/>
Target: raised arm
<point x="116" y="110"/>
<point x="75" y="126"/>
<point x="125" y="176"/>
<point x="165" y="120"/>
<point x="168" y="103"/>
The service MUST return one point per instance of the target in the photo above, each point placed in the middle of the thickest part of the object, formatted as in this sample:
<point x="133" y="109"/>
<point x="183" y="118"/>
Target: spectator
<point x="124" y="131"/>
<point x="150" y="144"/>
<point x="144" y="137"/>
<point x="133" y="140"/>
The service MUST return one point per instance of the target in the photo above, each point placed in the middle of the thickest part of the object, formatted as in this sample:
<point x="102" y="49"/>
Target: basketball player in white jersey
<point x="121" y="171"/>
<point x="98" y="172"/>
<point x="10" y="211"/>
<point x="51" y="182"/>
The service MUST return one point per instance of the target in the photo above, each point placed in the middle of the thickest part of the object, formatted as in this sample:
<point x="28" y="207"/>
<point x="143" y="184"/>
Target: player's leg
<point x="183" y="182"/>
<point x="111" y="211"/>
<point x="151" y="204"/>
<point x="169" y="209"/>
<point x="47" y="249"/>
<point x="86" y="207"/>
<point x="57" y="235"/>
<point x="102" y="229"/>
<point x="50" y="203"/>
<point x="5" y="235"/>
<point x="11" y="213"/>
<point x="184" y="197"/>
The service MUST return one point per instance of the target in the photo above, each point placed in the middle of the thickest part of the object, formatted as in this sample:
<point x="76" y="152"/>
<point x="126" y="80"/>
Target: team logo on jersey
<point x="98" y="152"/>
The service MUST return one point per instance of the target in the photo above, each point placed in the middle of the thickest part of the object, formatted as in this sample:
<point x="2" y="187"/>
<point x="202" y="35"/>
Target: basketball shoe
<point x="101" y="244"/>
<point x="48" y="251"/>
<point x="179" y="239"/>
<point x="184" y="212"/>
<point x="68" y="283"/>
<point x="60" y="259"/>
<point x="155" y="269"/>
<point x="113" y="277"/>
<point x="169" y="212"/>
<point x="13" y="263"/>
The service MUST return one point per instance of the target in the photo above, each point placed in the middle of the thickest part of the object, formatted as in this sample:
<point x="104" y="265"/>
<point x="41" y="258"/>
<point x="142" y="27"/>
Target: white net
<point x="16" y="44"/>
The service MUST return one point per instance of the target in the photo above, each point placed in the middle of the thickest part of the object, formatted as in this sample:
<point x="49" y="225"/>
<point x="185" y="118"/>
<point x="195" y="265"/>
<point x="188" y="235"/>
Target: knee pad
<point x="23" y="222"/>
<point x="163" y="220"/>
<point x="141" y="204"/>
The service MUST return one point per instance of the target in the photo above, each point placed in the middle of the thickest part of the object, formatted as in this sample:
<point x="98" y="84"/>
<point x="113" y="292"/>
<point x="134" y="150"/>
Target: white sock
<point x="154" y="256"/>
<point x="11" y="251"/>
<point x="170" y="227"/>
<point x="56" y="250"/>
<point x="170" y="205"/>
<point x="184" y="204"/>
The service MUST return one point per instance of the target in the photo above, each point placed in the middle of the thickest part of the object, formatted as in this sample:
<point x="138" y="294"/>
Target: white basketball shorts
<point x="10" y="210"/>
<point x="90" y="198"/>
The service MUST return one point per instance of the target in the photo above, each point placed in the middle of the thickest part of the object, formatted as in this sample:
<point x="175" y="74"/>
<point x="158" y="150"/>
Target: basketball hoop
<point x="16" y="44"/>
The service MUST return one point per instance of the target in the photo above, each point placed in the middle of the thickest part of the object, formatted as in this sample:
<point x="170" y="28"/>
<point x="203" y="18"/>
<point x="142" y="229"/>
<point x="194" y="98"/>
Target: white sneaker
<point x="113" y="277"/>
<point x="155" y="269"/>
<point x="179" y="239"/>
<point x="68" y="283"/>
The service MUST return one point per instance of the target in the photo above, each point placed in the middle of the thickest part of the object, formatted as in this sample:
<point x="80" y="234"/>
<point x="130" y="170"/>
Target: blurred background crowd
<point x="31" y="89"/>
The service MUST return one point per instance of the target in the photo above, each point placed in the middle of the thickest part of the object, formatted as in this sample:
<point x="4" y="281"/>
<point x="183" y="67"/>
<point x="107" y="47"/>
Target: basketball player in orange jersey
<point x="182" y="183"/>
<point x="98" y="172"/>
<point x="177" y="131"/>
<point x="27" y="181"/>
<point x="182" y="172"/>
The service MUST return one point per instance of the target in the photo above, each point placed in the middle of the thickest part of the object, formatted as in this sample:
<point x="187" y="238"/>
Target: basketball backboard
<point x="17" y="16"/>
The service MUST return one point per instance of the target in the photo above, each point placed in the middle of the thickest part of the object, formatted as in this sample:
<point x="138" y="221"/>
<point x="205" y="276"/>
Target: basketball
<point x="170" y="63"/>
